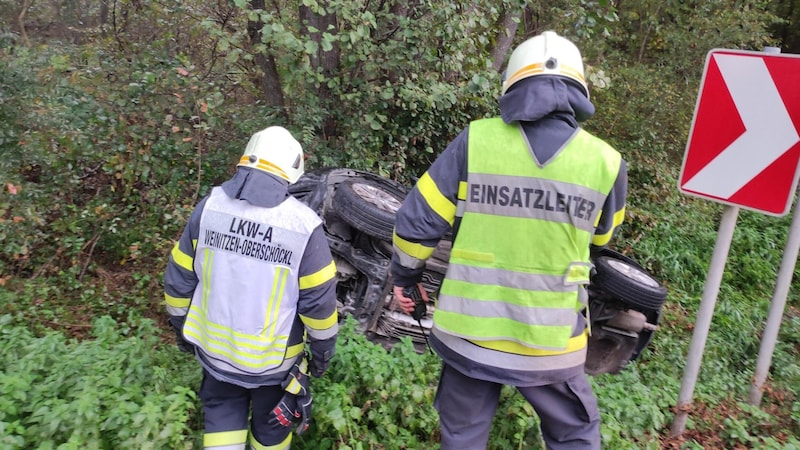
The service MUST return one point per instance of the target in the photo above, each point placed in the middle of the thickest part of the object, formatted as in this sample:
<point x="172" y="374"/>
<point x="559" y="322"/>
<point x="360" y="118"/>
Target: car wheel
<point x="369" y="206"/>
<point x="628" y="282"/>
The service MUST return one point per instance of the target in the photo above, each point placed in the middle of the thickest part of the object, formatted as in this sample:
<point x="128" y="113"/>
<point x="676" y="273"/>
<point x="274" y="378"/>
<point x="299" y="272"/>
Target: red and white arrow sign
<point x="744" y="145"/>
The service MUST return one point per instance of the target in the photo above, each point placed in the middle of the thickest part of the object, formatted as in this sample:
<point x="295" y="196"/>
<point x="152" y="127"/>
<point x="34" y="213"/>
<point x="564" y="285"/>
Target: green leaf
<point x="311" y="47"/>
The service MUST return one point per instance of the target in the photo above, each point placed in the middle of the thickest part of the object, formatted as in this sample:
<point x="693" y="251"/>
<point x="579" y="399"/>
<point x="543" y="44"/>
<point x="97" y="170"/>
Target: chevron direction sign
<point x="744" y="145"/>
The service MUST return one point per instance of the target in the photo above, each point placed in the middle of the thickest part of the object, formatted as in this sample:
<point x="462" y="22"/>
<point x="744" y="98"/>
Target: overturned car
<point x="358" y="209"/>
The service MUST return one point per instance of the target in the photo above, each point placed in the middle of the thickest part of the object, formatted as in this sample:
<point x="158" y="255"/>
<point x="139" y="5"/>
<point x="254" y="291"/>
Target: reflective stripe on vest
<point x="532" y="361"/>
<point x="499" y="286"/>
<point x="247" y="263"/>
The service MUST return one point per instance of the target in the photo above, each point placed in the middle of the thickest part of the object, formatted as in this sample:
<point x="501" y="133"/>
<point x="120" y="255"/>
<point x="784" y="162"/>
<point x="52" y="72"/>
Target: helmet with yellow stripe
<point x="545" y="54"/>
<point x="275" y="151"/>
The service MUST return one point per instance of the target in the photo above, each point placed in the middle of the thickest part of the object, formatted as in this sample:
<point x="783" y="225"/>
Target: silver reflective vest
<point x="520" y="259"/>
<point x="247" y="262"/>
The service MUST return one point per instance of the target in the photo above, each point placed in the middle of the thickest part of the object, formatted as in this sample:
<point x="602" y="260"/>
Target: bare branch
<point x="26" y="4"/>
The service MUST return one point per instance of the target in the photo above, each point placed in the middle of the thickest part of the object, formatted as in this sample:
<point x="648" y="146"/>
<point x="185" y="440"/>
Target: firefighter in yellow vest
<point x="251" y="282"/>
<point x="526" y="196"/>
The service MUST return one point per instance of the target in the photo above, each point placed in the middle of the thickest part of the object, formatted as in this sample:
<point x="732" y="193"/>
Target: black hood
<point x="257" y="187"/>
<point x="536" y="97"/>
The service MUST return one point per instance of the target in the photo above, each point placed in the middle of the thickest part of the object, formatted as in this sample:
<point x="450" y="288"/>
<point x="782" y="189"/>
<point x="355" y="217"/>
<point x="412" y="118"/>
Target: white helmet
<point x="545" y="54"/>
<point x="275" y="151"/>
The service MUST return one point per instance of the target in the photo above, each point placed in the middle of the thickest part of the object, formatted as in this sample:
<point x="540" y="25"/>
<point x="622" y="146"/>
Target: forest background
<point x="116" y="116"/>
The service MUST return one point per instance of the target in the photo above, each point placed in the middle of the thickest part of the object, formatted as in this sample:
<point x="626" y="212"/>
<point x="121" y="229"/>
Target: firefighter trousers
<point x="230" y="410"/>
<point x="567" y="411"/>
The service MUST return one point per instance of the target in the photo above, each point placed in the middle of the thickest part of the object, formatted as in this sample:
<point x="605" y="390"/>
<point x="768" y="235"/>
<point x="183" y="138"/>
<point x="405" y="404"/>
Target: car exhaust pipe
<point x="631" y="320"/>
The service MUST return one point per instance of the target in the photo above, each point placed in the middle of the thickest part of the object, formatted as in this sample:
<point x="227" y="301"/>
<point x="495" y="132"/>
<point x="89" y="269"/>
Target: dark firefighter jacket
<point x="548" y="110"/>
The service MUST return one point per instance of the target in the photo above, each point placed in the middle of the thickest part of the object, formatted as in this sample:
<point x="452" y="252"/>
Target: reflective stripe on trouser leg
<point x="568" y="411"/>
<point x="466" y="408"/>
<point x="285" y="445"/>
<point x="226" y="410"/>
<point x="225" y="440"/>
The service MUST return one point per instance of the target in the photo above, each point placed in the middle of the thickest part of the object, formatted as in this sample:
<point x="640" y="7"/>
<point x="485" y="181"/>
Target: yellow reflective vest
<point x="520" y="259"/>
<point x="242" y="326"/>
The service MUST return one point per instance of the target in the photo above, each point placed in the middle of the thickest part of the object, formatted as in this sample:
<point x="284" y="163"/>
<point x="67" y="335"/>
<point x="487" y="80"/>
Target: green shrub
<point x="374" y="399"/>
<point x="371" y="397"/>
<point x="113" y="391"/>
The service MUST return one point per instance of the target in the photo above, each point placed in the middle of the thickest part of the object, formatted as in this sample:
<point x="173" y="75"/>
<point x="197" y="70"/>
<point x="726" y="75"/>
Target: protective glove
<point x="284" y="413"/>
<point x="182" y="344"/>
<point x="177" y="326"/>
<point x="295" y="406"/>
<point x="321" y="353"/>
<point x="296" y="382"/>
<point x="304" y="411"/>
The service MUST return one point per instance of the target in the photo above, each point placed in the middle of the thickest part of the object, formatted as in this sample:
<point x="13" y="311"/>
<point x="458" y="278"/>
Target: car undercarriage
<point x="358" y="208"/>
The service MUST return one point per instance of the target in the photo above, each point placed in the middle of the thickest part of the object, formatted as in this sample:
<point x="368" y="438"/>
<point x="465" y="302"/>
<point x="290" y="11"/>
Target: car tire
<point x="627" y="281"/>
<point x="369" y="205"/>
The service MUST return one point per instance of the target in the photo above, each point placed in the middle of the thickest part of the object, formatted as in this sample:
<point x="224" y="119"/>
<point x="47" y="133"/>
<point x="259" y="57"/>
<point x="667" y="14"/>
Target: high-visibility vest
<point x="247" y="262"/>
<point x="520" y="260"/>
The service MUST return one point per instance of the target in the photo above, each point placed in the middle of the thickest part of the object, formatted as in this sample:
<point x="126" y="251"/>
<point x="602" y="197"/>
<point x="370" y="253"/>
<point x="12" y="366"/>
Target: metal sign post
<point x="703" y="322"/>
<point x="777" y="306"/>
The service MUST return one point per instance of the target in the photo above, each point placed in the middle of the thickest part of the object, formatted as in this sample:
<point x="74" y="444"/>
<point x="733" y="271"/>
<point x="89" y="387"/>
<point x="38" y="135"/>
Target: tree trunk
<point x="325" y="62"/>
<point x="103" y="17"/>
<point x="531" y="20"/>
<point x="507" y="29"/>
<point x="268" y="79"/>
<point x="787" y="32"/>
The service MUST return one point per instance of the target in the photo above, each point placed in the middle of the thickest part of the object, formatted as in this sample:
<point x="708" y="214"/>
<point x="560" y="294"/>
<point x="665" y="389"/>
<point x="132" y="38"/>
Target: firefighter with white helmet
<point x="545" y="54"/>
<point x="275" y="151"/>
<point x="249" y="283"/>
<point x="526" y="196"/>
